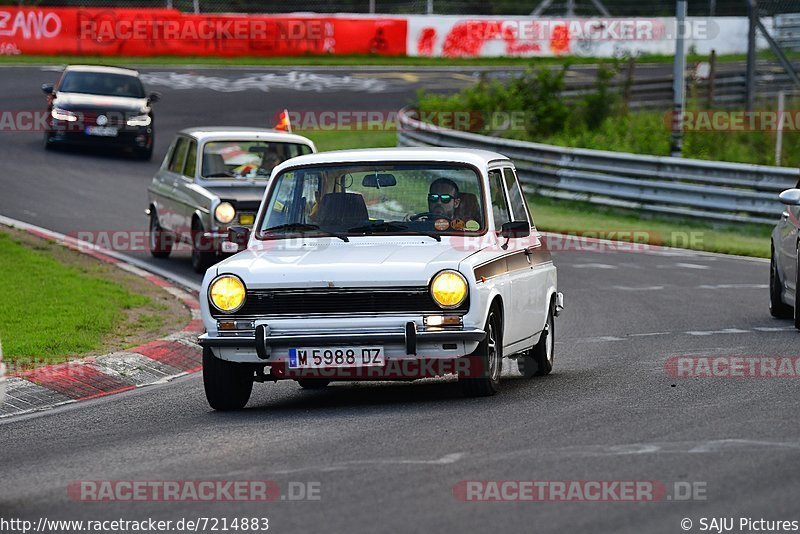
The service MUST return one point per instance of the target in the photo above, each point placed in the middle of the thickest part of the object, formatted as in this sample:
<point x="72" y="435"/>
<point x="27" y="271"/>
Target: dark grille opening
<point x="271" y="302"/>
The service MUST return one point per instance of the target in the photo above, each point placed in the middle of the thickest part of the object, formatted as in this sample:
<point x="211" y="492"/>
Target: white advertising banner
<point x="457" y="36"/>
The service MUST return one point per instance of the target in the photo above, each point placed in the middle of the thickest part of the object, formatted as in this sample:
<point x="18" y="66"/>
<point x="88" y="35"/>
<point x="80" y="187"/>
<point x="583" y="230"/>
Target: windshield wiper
<point x="219" y="175"/>
<point x="390" y="227"/>
<point x="303" y="227"/>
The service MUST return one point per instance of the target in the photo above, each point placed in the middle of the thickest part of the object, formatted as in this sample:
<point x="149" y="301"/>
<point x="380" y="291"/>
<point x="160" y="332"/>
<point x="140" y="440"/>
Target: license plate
<point x="247" y="219"/>
<point x="321" y="357"/>
<point x="101" y="131"/>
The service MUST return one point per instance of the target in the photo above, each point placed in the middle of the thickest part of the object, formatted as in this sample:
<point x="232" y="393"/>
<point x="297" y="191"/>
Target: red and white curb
<point x="152" y="363"/>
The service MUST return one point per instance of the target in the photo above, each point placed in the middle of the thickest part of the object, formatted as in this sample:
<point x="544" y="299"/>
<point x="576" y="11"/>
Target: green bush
<point x="596" y="120"/>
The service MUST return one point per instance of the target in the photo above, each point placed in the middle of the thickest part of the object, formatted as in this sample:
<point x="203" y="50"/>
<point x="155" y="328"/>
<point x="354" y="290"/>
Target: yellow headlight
<point x="449" y="289"/>
<point x="225" y="213"/>
<point x="227" y="293"/>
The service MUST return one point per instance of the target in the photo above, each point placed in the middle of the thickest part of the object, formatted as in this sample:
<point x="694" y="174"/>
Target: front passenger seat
<point x="341" y="211"/>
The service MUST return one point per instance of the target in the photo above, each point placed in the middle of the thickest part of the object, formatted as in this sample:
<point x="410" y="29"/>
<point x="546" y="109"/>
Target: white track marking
<point x="715" y="332"/>
<point x="593" y="266"/>
<point x="691" y="266"/>
<point x="643" y="288"/>
<point x="648" y="334"/>
<point x="265" y="82"/>
<point x="716" y="446"/>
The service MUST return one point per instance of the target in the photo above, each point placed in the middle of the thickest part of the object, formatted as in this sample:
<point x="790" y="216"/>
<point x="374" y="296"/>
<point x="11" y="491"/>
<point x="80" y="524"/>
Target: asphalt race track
<point x="387" y="456"/>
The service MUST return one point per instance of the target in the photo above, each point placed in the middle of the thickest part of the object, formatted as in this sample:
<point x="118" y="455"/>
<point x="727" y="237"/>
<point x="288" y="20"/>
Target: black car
<point x="100" y="106"/>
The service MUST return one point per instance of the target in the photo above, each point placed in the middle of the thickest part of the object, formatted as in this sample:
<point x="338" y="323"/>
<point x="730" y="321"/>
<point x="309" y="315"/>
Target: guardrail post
<point x="712" y="74"/>
<point x="678" y="82"/>
<point x="752" y="16"/>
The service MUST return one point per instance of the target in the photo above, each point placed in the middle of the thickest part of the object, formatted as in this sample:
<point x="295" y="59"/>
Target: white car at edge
<point x="381" y="264"/>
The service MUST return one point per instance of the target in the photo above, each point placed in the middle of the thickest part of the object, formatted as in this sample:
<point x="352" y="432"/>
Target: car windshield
<point x="432" y="199"/>
<point x="101" y="83"/>
<point x="247" y="159"/>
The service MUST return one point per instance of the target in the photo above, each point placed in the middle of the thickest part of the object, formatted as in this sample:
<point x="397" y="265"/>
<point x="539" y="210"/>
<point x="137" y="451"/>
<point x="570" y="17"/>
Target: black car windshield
<point x="102" y="84"/>
<point x="226" y="160"/>
<point x="431" y="199"/>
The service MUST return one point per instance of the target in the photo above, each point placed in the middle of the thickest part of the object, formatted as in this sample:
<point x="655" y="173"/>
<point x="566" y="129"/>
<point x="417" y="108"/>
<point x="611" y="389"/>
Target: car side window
<point x="515" y="196"/>
<point x="179" y="155"/>
<point x="191" y="160"/>
<point x="500" y="211"/>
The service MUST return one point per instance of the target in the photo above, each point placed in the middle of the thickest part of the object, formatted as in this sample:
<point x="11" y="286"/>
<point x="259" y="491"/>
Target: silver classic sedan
<point x="213" y="178"/>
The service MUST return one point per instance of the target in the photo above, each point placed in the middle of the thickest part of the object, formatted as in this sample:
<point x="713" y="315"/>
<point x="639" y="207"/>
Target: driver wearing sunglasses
<point x="443" y="198"/>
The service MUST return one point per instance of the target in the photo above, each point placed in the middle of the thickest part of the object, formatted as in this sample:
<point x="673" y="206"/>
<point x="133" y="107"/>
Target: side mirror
<point x="47" y="88"/>
<point x="516" y="229"/>
<point x="790" y="197"/>
<point x="238" y="236"/>
<point x="154" y="97"/>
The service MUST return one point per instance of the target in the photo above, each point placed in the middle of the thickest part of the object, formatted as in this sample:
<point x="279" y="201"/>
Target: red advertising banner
<point x="152" y="32"/>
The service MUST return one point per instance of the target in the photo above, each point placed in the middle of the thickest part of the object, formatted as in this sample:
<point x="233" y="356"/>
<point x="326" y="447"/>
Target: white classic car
<point x="381" y="264"/>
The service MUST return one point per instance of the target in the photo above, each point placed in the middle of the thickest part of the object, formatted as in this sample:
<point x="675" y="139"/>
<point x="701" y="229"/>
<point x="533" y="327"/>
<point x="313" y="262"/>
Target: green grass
<point x="646" y="132"/>
<point x="333" y="61"/>
<point x="583" y="218"/>
<point x="340" y="140"/>
<point x="51" y="310"/>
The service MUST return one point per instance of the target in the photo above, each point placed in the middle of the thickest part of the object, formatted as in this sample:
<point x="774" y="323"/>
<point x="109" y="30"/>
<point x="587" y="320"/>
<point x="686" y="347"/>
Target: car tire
<point x="159" y="240"/>
<point x="487" y="360"/>
<point x="539" y="360"/>
<point x="227" y="384"/>
<point x="313" y="383"/>
<point x="46" y="142"/>
<point x="144" y="154"/>
<point x="777" y="308"/>
<point x="201" y="259"/>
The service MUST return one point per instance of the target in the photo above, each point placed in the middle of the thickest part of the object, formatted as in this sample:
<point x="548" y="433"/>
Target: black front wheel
<point x="144" y="154"/>
<point x="777" y="308"/>
<point x="159" y="240"/>
<point x="203" y="254"/>
<point x="481" y="375"/>
<point x="227" y="384"/>
<point x="539" y="360"/>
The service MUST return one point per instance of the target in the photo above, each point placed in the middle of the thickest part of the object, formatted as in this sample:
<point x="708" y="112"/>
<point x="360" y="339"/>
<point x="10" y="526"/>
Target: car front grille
<point x="113" y="118"/>
<point x="283" y="302"/>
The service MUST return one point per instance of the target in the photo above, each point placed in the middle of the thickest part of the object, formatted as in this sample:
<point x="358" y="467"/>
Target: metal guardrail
<point x="656" y="93"/>
<point x="787" y="31"/>
<point x="713" y="190"/>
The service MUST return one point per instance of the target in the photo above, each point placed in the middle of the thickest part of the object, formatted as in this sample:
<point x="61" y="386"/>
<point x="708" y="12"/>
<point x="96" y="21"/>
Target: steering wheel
<point x="427" y="216"/>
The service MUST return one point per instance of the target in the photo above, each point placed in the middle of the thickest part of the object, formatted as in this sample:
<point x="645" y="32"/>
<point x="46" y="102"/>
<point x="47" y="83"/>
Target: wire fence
<point x="550" y="8"/>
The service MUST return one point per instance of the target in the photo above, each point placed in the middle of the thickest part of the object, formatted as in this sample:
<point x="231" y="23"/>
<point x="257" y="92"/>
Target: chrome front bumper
<point x="264" y="342"/>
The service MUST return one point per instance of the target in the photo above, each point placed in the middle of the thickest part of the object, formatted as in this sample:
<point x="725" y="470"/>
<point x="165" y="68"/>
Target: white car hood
<point x="329" y="262"/>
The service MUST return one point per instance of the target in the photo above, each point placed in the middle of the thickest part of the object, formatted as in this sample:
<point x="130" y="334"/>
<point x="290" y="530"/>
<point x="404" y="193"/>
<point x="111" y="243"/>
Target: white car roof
<point x="477" y="158"/>
<point x="218" y="133"/>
